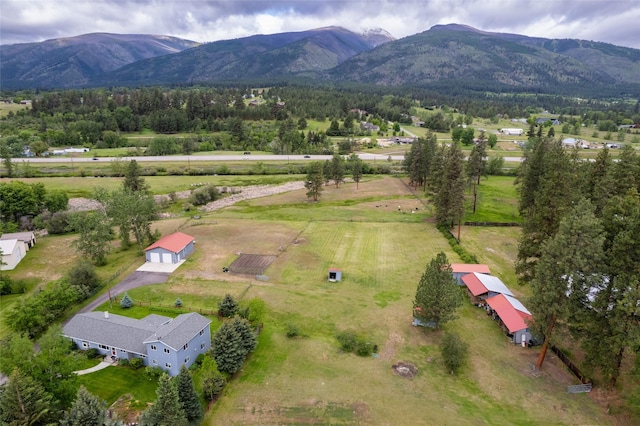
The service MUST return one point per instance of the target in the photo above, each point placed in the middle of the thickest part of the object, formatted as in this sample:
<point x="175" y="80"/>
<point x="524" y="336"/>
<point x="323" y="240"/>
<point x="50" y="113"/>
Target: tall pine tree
<point x="87" y="410"/>
<point x="438" y="294"/>
<point x="166" y="409"/>
<point x="23" y="401"/>
<point x="569" y="270"/>
<point x="189" y="399"/>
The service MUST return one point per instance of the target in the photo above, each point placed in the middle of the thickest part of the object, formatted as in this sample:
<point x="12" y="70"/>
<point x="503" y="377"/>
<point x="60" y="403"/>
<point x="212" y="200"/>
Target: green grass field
<point x="382" y="249"/>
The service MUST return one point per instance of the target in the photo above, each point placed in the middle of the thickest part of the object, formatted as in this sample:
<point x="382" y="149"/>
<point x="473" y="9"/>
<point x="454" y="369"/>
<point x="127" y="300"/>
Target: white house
<point x="516" y="132"/>
<point x="12" y="253"/>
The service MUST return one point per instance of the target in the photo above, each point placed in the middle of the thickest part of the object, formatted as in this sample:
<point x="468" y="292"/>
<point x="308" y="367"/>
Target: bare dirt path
<point x="239" y="193"/>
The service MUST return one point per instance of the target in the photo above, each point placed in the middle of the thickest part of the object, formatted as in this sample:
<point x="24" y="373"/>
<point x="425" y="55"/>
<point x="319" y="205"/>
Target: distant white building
<point x="516" y="132"/>
<point x="69" y="151"/>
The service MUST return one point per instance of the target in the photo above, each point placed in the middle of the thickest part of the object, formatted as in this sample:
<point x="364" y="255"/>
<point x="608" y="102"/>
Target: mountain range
<point x="446" y="55"/>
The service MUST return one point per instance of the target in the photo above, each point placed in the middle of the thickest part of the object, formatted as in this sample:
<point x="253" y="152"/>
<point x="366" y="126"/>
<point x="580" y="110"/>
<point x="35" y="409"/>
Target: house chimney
<point x="106" y="314"/>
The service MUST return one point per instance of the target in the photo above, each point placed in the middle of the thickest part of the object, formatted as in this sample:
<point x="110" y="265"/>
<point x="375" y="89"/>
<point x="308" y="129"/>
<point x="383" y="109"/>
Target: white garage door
<point x="154" y="257"/>
<point x="166" y="257"/>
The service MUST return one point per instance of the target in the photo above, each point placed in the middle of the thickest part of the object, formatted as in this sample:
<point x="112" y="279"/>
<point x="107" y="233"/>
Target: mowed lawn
<point x="382" y="252"/>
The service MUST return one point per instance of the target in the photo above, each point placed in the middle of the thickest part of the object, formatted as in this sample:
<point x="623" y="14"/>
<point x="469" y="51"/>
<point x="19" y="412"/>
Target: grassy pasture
<point x="84" y="187"/>
<point x="497" y="201"/>
<point x="307" y="380"/>
<point x="382" y="253"/>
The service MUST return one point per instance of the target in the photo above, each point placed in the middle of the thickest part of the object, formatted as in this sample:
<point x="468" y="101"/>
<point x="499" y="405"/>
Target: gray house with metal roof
<point x="159" y="341"/>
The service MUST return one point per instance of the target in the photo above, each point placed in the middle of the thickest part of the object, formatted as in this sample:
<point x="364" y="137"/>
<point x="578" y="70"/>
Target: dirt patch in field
<point x="391" y="346"/>
<point x="405" y="369"/>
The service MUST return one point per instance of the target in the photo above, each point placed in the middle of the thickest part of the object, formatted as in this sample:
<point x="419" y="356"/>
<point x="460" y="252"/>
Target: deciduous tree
<point x="94" y="229"/>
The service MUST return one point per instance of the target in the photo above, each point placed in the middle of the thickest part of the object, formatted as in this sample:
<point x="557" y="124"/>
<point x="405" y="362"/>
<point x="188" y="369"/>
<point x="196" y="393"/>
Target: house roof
<point x="117" y="331"/>
<point x="179" y="331"/>
<point x="132" y="334"/>
<point x="470" y="267"/>
<point x="8" y="246"/>
<point x="480" y="284"/>
<point x="172" y="242"/>
<point x="22" y="236"/>
<point x="512" y="313"/>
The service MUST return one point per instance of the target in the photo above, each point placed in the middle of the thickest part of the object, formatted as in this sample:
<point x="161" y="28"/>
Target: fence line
<point x="492" y="224"/>
<point x="574" y="368"/>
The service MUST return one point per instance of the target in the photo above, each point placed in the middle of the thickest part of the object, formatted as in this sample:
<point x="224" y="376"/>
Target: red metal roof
<point x="470" y="267"/>
<point x="474" y="285"/>
<point x="510" y="316"/>
<point x="172" y="242"/>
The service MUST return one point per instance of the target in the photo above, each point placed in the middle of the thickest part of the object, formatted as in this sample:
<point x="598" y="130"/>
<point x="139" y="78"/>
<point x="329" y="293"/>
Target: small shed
<point x="461" y="269"/>
<point x="335" y="275"/>
<point x="12" y="253"/>
<point x="481" y="286"/>
<point x="28" y="238"/>
<point x="171" y="248"/>
<point x="513" y="317"/>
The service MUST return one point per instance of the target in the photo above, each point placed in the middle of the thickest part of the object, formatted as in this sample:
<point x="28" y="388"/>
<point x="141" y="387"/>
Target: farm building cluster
<point x="494" y="296"/>
<point x="14" y="247"/>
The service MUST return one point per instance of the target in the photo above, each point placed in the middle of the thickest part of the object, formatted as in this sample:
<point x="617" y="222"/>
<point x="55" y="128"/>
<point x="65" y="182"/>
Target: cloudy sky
<point x="612" y="21"/>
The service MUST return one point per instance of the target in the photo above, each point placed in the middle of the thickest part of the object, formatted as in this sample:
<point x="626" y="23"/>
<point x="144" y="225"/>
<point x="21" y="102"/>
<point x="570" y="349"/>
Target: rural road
<point x="215" y="158"/>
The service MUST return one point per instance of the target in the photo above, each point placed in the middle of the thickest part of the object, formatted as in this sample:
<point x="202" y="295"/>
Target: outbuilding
<point x="171" y="248"/>
<point x="13" y="251"/>
<point x="513" y="317"/>
<point x="461" y="269"/>
<point x="335" y="275"/>
<point x="28" y="238"/>
<point x="482" y="287"/>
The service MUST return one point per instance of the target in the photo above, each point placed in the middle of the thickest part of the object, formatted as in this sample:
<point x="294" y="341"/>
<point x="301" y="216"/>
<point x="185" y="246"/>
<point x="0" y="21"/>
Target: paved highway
<point x="216" y="158"/>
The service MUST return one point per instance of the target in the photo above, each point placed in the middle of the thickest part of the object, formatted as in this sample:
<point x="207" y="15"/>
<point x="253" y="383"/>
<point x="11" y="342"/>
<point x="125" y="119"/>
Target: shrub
<point x="292" y="330"/>
<point x="6" y="286"/>
<point x="153" y="373"/>
<point x="126" y="301"/>
<point x="363" y="348"/>
<point x="123" y="362"/>
<point x="204" y="195"/>
<point x="178" y="303"/>
<point x="136" y="363"/>
<point x="347" y="340"/>
<point x="92" y="353"/>
<point x="454" y="351"/>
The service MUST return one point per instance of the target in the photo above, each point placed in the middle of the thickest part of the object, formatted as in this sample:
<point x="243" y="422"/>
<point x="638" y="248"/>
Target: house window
<point x="85" y="345"/>
<point x="166" y="351"/>
<point x="143" y="356"/>
<point x="186" y="345"/>
<point x="167" y="365"/>
<point x="154" y="347"/>
<point x="103" y="346"/>
<point x="202" y="345"/>
<point x="187" y="359"/>
<point x="202" y="332"/>
<point x="155" y="362"/>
